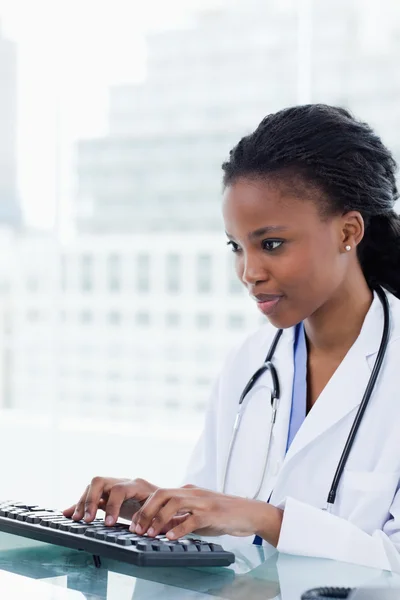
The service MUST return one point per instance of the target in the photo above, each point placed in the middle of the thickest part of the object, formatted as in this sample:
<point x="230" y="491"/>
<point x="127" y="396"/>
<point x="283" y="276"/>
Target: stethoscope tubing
<point x="275" y="397"/>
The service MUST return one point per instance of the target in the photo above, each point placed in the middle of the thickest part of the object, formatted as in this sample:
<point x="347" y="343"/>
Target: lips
<point x="267" y="302"/>
<point x="266" y="297"/>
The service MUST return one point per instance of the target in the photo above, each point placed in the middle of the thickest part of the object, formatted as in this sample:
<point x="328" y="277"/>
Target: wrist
<point x="268" y="521"/>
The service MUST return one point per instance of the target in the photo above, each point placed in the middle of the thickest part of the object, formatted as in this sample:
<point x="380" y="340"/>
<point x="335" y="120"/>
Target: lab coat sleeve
<point x="202" y="470"/>
<point x="310" y="531"/>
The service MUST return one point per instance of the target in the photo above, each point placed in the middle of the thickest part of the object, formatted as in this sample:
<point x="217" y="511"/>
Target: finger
<point x="93" y="496"/>
<point x="102" y="503"/>
<point x="164" y="516"/>
<point x="187" y="526"/>
<point x="144" y="517"/>
<point x="176" y="520"/>
<point x="68" y="512"/>
<point x="80" y="506"/>
<point x="118" y="494"/>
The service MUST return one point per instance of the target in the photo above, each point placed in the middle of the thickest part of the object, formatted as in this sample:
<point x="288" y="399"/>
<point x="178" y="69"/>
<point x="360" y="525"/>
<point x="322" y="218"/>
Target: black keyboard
<point x="117" y="542"/>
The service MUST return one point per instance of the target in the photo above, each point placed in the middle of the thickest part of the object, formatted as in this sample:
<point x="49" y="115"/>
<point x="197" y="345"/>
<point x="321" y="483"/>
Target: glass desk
<point x="258" y="573"/>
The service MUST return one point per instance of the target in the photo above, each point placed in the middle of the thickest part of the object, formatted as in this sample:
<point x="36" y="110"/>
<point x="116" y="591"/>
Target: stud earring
<point x="348" y="248"/>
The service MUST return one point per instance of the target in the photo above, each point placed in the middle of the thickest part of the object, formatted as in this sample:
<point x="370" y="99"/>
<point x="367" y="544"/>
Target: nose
<point x="254" y="270"/>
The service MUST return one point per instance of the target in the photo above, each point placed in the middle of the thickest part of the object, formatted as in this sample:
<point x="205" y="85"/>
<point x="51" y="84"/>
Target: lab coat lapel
<point x="345" y="390"/>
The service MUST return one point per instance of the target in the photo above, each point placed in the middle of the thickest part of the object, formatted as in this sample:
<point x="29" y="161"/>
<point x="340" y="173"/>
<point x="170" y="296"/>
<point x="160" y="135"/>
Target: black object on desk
<point x="117" y="542"/>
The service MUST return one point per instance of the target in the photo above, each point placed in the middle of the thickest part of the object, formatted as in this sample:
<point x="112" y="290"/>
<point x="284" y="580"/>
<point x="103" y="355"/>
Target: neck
<point x="334" y="327"/>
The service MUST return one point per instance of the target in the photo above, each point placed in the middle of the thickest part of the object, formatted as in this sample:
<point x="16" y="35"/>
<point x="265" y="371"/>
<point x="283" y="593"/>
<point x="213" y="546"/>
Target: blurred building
<point x="211" y="82"/>
<point x="117" y="326"/>
<point x="207" y="84"/>
<point x="9" y="204"/>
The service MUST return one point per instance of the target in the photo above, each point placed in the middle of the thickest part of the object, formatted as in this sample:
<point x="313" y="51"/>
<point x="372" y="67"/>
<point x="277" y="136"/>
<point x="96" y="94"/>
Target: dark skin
<point x="302" y="257"/>
<point x="305" y="259"/>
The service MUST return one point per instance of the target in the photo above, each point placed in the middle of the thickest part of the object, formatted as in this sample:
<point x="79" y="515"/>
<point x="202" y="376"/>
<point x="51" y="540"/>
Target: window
<point x="236" y="321"/>
<point x="204" y="274"/>
<point x="114" y="317"/>
<point x="114" y="273"/>
<point x="142" y="275"/>
<point x="142" y="319"/>
<point x="235" y="286"/>
<point x="86" y="275"/>
<point x="203" y="321"/>
<point x="173" y="319"/>
<point x="173" y="272"/>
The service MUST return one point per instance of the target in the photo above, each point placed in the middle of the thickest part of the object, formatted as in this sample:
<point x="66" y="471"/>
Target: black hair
<point x="326" y="148"/>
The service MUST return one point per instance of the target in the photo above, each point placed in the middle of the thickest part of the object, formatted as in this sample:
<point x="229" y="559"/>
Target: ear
<point x="352" y="229"/>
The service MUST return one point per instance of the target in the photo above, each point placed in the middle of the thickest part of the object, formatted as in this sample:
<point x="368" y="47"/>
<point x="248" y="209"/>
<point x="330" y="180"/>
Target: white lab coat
<point x="364" y="525"/>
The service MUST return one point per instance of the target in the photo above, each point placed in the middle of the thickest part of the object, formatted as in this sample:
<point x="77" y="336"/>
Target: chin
<point x="282" y="323"/>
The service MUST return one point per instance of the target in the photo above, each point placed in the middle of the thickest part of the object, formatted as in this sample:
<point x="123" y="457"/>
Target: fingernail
<point x="74" y="515"/>
<point x="87" y="516"/>
<point x="150" y="531"/>
<point x="109" y="520"/>
<point x="170" y="534"/>
<point x="139" y="529"/>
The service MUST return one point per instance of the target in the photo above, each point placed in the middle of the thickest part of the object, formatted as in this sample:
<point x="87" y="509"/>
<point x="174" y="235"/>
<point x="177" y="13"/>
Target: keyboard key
<point x="45" y="522"/>
<point x="175" y="546"/>
<point x="66" y="525"/>
<point x="188" y="546"/>
<point x="162" y="547"/>
<point x="216" y="548"/>
<point x="144" y="545"/>
<point x="14" y="512"/>
<point x="113" y="537"/>
<point x="100" y="534"/>
<point x="77" y="529"/>
<point x="128" y="540"/>
<point x="35" y="518"/>
<point x="204" y="547"/>
<point x="56" y="524"/>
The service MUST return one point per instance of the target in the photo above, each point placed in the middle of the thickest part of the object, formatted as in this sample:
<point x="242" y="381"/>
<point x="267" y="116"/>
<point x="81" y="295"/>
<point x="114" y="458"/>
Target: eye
<point x="235" y="247"/>
<point x="271" y="245"/>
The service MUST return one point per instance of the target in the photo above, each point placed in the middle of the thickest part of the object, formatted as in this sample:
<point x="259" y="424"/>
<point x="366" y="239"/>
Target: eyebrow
<point x="253" y="235"/>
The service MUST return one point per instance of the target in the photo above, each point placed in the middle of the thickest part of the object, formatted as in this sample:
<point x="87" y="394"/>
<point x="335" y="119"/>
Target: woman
<point x="308" y="211"/>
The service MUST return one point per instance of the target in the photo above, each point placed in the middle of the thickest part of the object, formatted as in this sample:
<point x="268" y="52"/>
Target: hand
<point x="117" y="497"/>
<point x="190" y="509"/>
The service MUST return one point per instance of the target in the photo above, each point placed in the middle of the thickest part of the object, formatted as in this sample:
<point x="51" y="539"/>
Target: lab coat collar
<point x="344" y="392"/>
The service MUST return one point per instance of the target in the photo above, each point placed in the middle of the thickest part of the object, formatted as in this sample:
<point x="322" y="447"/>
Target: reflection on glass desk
<point x="258" y="573"/>
<point x="18" y="587"/>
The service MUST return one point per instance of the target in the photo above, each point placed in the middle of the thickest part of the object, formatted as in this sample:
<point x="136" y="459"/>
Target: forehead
<point x="251" y="203"/>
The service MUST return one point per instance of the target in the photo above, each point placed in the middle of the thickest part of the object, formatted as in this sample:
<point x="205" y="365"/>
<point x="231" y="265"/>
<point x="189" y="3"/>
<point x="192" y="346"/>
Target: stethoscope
<point x="275" y="396"/>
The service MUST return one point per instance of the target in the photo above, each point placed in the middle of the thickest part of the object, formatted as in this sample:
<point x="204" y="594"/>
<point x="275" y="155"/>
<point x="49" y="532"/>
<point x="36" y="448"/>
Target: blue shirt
<point x="299" y="392"/>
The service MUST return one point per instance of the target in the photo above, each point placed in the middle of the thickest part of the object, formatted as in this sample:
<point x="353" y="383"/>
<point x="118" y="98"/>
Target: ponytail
<point x="379" y="252"/>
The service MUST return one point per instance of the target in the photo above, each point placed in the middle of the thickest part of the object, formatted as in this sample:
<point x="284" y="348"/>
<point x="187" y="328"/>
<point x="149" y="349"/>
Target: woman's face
<point x="288" y="257"/>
